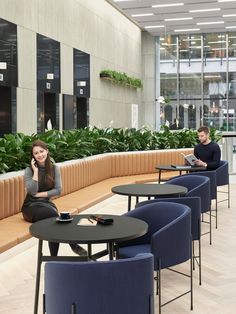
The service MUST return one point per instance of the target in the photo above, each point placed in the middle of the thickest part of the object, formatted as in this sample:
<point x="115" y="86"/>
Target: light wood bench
<point x="85" y="182"/>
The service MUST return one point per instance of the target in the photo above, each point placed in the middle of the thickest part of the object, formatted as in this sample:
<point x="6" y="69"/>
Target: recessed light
<point x="226" y="0"/>
<point x="167" y="5"/>
<point x="209" y="23"/>
<point x="178" y="19"/>
<point x="217" y="42"/>
<point x="229" y="27"/>
<point x="195" y="47"/>
<point x="218" y="48"/>
<point x="204" y="10"/>
<point x="228" y="15"/>
<point x="191" y="39"/>
<point x="187" y="30"/>
<point x="154" y="26"/>
<point x="142" y="14"/>
<point x="122" y="0"/>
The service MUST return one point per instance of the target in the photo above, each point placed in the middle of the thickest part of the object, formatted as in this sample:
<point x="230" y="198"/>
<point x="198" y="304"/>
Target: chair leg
<point x="159" y="290"/>
<point x="228" y="196"/>
<point x="73" y="308"/>
<point x="216" y="211"/>
<point x="193" y="255"/>
<point x="44" y="304"/>
<point x="191" y="283"/>
<point x="200" y="261"/>
<point x="210" y="227"/>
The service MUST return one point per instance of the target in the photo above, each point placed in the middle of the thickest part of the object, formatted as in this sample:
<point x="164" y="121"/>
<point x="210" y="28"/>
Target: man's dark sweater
<point x="209" y="153"/>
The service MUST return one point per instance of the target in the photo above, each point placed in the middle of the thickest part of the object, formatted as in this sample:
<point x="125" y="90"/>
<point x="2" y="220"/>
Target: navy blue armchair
<point x="104" y="287"/>
<point x="194" y="202"/>
<point x="222" y="178"/>
<point x="218" y="177"/>
<point x="197" y="186"/>
<point x="168" y="239"/>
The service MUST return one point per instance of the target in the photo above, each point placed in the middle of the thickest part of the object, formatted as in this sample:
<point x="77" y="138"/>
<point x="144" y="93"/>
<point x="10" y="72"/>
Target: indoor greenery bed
<point x="121" y="78"/>
<point x="79" y="143"/>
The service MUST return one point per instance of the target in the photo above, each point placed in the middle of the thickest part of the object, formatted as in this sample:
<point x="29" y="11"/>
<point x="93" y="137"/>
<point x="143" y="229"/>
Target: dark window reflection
<point x="48" y="64"/>
<point x="81" y="73"/>
<point x="8" y="53"/>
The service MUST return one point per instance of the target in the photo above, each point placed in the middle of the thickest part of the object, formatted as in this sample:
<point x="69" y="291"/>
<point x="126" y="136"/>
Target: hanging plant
<point x="121" y="78"/>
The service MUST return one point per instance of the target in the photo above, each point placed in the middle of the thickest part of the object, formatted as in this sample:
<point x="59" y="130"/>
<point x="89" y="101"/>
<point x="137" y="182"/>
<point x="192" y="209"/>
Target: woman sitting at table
<point x="43" y="181"/>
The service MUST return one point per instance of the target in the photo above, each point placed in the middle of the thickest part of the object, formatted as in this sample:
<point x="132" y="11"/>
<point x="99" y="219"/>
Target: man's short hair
<point x="204" y="129"/>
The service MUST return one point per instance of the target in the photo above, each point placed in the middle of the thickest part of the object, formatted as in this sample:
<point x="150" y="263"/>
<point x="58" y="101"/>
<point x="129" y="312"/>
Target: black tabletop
<point x="176" y="167"/>
<point x="123" y="228"/>
<point x="149" y="189"/>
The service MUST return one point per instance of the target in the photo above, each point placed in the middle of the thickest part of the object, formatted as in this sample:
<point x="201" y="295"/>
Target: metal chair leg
<point x="200" y="261"/>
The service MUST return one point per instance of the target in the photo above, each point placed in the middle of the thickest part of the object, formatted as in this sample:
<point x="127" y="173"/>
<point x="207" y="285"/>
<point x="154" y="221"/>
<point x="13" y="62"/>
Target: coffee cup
<point x="65" y="215"/>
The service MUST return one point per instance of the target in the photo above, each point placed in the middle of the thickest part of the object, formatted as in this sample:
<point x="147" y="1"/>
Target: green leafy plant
<point x="121" y="78"/>
<point x="79" y="143"/>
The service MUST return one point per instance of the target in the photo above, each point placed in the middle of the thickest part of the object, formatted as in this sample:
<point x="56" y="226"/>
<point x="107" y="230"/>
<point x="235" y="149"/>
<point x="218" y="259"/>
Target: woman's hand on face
<point x="34" y="165"/>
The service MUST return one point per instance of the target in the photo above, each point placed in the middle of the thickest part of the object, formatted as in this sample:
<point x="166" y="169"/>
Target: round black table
<point x="123" y="228"/>
<point x="179" y="168"/>
<point x="148" y="190"/>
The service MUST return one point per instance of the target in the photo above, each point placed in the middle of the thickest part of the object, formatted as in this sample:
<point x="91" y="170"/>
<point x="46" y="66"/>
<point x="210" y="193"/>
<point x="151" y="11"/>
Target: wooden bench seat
<point x="85" y="183"/>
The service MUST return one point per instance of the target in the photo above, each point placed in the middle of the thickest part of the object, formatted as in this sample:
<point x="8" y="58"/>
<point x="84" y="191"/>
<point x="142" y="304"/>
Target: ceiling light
<point x="228" y="15"/>
<point x="228" y="27"/>
<point x="218" y="48"/>
<point x="167" y="5"/>
<point x="178" y="19"/>
<point x="122" y="0"/>
<point x="187" y="30"/>
<point x="154" y="26"/>
<point x="226" y="0"/>
<point x="204" y="10"/>
<point x="191" y="39"/>
<point x="216" y="42"/>
<point x="209" y="23"/>
<point x="166" y="44"/>
<point x="212" y="76"/>
<point x="195" y="47"/>
<point x="142" y="14"/>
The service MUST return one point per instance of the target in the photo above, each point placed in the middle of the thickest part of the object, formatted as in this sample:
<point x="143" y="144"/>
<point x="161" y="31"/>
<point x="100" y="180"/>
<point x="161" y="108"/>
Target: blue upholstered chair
<point x="197" y="186"/>
<point x="168" y="239"/>
<point x="213" y="189"/>
<point x="222" y="178"/>
<point x="218" y="177"/>
<point x="194" y="202"/>
<point x="104" y="287"/>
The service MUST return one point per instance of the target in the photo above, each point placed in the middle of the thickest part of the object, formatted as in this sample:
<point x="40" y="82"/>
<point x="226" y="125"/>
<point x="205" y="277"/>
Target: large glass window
<point x="198" y="76"/>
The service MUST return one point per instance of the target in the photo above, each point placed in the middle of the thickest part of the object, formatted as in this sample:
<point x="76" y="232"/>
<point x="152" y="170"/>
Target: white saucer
<point x="64" y="220"/>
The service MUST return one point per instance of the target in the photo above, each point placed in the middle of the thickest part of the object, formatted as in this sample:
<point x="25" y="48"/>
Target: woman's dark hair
<point x="49" y="169"/>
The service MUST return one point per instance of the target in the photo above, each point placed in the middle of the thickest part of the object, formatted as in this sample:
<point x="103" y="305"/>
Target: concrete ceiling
<point x="160" y="20"/>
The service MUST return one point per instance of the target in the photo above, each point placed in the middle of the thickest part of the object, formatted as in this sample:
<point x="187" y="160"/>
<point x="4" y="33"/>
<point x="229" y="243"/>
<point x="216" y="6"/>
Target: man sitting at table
<point x="207" y="152"/>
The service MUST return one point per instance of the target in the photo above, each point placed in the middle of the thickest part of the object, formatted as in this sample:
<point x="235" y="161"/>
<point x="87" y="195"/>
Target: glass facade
<point x="198" y="77"/>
